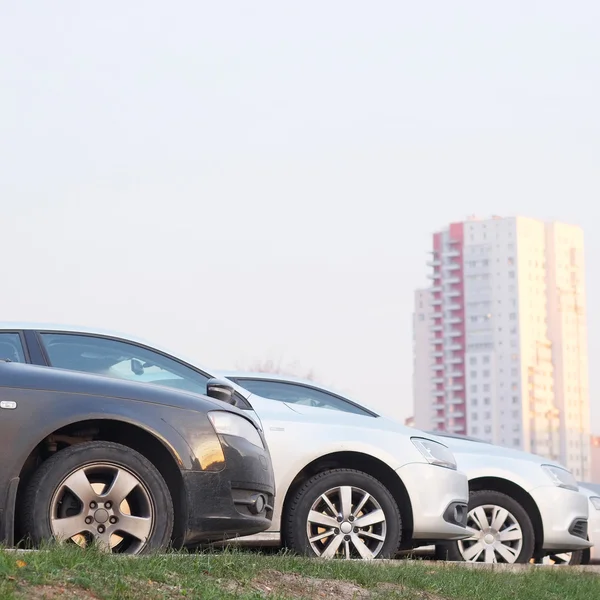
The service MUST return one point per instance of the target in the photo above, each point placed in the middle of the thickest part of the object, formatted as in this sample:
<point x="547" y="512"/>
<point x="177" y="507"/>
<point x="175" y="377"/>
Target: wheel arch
<point x="515" y="491"/>
<point x="120" y="431"/>
<point x="360" y="462"/>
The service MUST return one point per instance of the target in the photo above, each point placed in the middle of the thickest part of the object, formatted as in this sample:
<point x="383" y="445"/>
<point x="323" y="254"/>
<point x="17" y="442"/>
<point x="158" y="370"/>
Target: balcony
<point x="438" y="419"/>
<point x="456" y="429"/>
<point x="453" y="333"/>
<point x="436" y="302"/>
<point x="436" y="328"/>
<point x="451" y="293"/>
<point x="437" y="367"/>
<point x="455" y="374"/>
<point x="456" y="415"/>
<point x="438" y="393"/>
<point x="451" y="253"/>
<point x="454" y="320"/>
<point x="452" y="280"/>
<point x="454" y="361"/>
<point x="455" y="401"/>
<point x="436" y="262"/>
<point x="455" y="387"/>
<point x="454" y="347"/>
<point x="452" y="266"/>
<point x="436" y="288"/>
<point x="434" y="276"/>
<point x="437" y="353"/>
<point x="453" y="307"/>
<point x="437" y="379"/>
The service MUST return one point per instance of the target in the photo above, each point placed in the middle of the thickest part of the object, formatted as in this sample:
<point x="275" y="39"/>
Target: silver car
<point x="521" y="505"/>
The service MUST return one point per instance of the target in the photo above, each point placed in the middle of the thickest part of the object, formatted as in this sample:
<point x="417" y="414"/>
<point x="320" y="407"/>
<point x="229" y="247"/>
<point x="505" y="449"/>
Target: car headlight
<point x="227" y="423"/>
<point x="435" y="453"/>
<point x="561" y="477"/>
<point x="595" y="500"/>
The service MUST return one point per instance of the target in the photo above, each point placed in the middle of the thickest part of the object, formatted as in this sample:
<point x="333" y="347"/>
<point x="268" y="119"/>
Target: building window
<point x="488" y="415"/>
<point x="473" y="374"/>
<point x="472" y="361"/>
<point x="515" y="399"/>
<point x="486" y="387"/>
<point x="474" y="416"/>
<point x="486" y="373"/>
<point x="473" y="389"/>
<point x="488" y="429"/>
<point x="486" y="401"/>
<point x="512" y="316"/>
<point x="474" y="402"/>
<point x="511" y="274"/>
<point x="486" y="360"/>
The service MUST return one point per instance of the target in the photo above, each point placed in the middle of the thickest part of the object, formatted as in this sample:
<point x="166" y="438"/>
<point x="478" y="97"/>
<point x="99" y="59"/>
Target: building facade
<point x="500" y="348"/>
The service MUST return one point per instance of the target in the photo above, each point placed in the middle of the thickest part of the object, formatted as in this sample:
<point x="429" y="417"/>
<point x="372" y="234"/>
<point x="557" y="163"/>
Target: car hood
<point x="326" y="416"/>
<point x="481" y="449"/>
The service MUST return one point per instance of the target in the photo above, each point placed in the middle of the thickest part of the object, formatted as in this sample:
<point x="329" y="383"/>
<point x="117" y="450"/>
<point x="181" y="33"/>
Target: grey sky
<point x="260" y="180"/>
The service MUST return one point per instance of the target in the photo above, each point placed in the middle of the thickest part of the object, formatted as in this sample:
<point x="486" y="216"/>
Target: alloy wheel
<point x="346" y="522"/>
<point x="496" y="536"/>
<point x="105" y="504"/>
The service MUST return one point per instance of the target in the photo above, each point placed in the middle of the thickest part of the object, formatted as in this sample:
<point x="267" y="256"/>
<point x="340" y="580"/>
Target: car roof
<point x="271" y="376"/>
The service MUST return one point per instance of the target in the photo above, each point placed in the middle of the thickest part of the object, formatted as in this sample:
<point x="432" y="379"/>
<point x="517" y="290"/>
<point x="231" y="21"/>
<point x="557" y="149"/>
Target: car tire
<point x="331" y="506"/>
<point x="99" y="492"/>
<point x="493" y="504"/>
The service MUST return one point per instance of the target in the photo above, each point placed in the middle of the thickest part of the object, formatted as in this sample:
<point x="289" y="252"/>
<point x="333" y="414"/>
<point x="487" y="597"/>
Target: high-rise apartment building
<point x="500" y="349"/>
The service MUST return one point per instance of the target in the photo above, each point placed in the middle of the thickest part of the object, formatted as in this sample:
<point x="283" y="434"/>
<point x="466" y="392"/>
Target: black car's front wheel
<point x="99" y="493"/>
<point x="343" y="513"/>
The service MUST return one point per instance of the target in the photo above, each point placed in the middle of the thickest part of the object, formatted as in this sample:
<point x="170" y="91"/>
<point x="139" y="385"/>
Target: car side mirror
<point x="136" y="367"/>
<point x="220" y="390"/>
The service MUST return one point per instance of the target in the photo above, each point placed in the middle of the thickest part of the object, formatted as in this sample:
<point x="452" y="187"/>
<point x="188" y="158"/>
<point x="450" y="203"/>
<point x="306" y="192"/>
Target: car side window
<point x="11" y="347"/>
<point x="294" y="393"/>
<point x="121" y="360"/>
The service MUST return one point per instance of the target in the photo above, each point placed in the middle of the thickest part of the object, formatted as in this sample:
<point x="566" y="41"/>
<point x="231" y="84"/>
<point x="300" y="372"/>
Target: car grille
<point x="579" y="528"/>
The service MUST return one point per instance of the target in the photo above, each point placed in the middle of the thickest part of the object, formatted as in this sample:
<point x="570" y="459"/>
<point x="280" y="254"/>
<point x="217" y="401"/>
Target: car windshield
<point x="300" y="394"/>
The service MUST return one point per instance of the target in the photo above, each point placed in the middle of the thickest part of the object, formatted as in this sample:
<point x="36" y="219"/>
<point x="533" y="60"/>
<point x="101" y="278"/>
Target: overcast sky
<point x="260" y="180"/>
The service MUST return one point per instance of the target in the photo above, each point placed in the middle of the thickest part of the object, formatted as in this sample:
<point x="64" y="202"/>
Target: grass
<point x="62" y="572"/>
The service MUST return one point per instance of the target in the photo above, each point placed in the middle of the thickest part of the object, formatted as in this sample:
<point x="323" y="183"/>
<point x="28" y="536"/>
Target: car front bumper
<point x="594" y="534"/>
<point x="560" y="510"/>
<point x="235" y="501"/>
<point x="436" y="495"/>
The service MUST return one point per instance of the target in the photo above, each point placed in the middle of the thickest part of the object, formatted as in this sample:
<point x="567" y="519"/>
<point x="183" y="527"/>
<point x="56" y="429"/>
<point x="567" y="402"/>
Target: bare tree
<point x="277" y="367"/>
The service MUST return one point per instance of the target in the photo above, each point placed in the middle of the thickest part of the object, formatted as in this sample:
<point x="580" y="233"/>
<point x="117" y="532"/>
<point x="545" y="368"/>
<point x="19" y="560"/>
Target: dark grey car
<point x="133" y="467"/>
